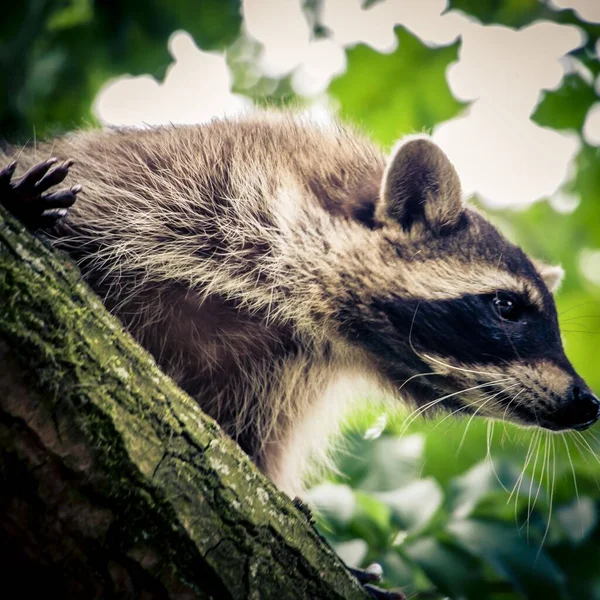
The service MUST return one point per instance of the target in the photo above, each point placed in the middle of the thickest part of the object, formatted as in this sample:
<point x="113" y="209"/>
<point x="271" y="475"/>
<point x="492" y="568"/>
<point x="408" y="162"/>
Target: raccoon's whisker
<point x="551" y="489"/>
<point x="591" y="433"/>
<point x="562" y="312"/>
<point x="516" y="488"/>
<point x="540" y="481"/>
<point x="580" y="447"/>
<point x="464" y="435"/>
<point x="488" y="438"/>
<point x="459" y="409"/>
<point x="545" y="466"/>
<point x="580" y="317"/>
<point x="580" y="331"/>
<point x="414" y="377"/>
<point x="435" y="360"/>
<point x="418" y="411"/>
<point x="412" y="324"/>
<point x="583" y="453"/>
<point x="587" y="445"/>
<point x="508" y="405"/>
<point x="479" y="407"/>
<point x="564" y="439"/>
<point x="535" y="461"/>
<point x="428" y="405"/>
<point x="533" y="443"/>
<point x="490" y="435"/>
<point x="461" y="369"/>
<point x="574" y="323"/>
<point x="505" y="389"/>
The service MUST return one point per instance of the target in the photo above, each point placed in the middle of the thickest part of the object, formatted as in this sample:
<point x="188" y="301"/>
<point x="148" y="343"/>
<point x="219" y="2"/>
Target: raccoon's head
<point x="460" y="318"/>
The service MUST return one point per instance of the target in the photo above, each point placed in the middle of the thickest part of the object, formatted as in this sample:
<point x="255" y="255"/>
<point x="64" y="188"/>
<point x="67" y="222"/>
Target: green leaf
<point x="513" y="13"/>
<point x="351" y="552"/>
<point x="482" y="480"/>
<point x="528" y="567"/>
<point x="213" y="23"/>
<point x="397" y="571"/>
<point x="581" y="565"/>
<point x="588" y="57"/>
<point x="395" y="461"/>
<point x="75" y="13"/>
<point x="566" y="107"/>
<point x="94" y="41"/>
<point x="452" y="570"/>
<point x="519" y="13"/>
<point x="333" y="503"/>
<point x="578" y="518"/>
<point x="354" y="459"/>
<point x="398" y="93"/>
<point x="371" y="520"/>
<point x="415" y="504"/>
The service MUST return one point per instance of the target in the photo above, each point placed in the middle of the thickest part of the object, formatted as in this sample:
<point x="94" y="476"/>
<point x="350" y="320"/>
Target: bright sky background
<point x="500" y="71"/>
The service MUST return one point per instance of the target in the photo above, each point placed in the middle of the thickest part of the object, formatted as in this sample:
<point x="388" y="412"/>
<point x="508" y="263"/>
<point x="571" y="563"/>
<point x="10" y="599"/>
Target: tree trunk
<point x="113" y="483"/>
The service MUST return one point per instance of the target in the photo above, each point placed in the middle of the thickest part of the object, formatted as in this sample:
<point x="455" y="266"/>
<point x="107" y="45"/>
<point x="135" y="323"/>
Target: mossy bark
<point x="113" y="483"/>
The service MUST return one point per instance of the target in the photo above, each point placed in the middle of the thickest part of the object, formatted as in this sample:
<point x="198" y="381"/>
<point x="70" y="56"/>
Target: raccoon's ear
<point x="551" y="274"/>
<point x="420" y="188"/>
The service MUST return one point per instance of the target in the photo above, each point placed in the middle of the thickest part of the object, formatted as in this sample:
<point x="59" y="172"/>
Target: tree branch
<point x="113" y="482"/>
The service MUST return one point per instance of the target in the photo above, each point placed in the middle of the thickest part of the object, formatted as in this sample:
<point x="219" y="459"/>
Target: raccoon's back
<point x="172" y="203"/>
<point x="211" y="169"/>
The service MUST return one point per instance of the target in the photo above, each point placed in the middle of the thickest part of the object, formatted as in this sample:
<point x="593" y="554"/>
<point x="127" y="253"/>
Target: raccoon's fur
<point x="265" y="261"/>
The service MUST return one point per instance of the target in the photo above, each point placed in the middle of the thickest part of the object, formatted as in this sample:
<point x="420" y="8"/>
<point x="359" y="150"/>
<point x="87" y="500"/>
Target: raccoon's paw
<point x="26" y="197"/>
<point x="372" y="573"/>
<point x="381" y="594"/>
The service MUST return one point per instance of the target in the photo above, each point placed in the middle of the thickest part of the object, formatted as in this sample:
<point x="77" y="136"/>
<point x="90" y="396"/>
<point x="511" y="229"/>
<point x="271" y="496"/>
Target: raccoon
<point x="270" y="265"/>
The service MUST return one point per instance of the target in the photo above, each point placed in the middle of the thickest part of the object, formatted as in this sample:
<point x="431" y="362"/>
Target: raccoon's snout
<point x="581" y="411"/>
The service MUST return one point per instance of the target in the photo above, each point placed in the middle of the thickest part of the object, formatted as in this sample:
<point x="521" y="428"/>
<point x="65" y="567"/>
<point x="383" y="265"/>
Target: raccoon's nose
<point x="581" y="411"/>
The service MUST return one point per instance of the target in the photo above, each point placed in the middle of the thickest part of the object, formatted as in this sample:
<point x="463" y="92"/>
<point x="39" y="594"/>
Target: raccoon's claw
<point x="25" y="197"/>
<point x="6" y="174"/>
<point x="26" y="184"/>
<point x="53" y="177"/>
<point x="64" y="198"/>
<point x="371" y="573"/>
<point x="381" y="594"/>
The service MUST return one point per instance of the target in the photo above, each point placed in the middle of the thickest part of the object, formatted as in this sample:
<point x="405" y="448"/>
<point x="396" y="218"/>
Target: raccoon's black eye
<point x="507" y="307"/>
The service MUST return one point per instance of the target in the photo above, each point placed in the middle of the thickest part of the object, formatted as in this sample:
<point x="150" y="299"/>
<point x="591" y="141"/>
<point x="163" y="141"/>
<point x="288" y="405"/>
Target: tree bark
<point x="113" y="483"/>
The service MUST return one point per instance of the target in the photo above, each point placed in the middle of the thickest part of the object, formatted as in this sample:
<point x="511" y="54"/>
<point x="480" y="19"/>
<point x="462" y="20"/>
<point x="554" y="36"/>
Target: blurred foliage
<point x="56" y="54"/>
<point x="388" y="104"/>
<point x="425" y="503"/>
<point x="567" y="107"/>
<point x="444" y="521"/>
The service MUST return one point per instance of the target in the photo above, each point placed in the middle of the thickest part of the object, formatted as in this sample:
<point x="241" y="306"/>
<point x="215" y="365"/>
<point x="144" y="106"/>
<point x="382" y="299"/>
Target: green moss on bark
<point x="139" y="485"/>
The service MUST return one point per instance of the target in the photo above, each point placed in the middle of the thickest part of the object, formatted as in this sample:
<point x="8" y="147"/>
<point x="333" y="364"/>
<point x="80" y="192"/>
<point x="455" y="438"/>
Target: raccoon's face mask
<point x="471" y="325"/>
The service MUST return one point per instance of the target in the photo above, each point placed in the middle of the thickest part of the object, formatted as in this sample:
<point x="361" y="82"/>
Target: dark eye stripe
<point x="467" y="329"/>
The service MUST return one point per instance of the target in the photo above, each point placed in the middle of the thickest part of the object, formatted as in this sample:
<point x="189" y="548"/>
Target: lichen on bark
<point x="114" y="483"/>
